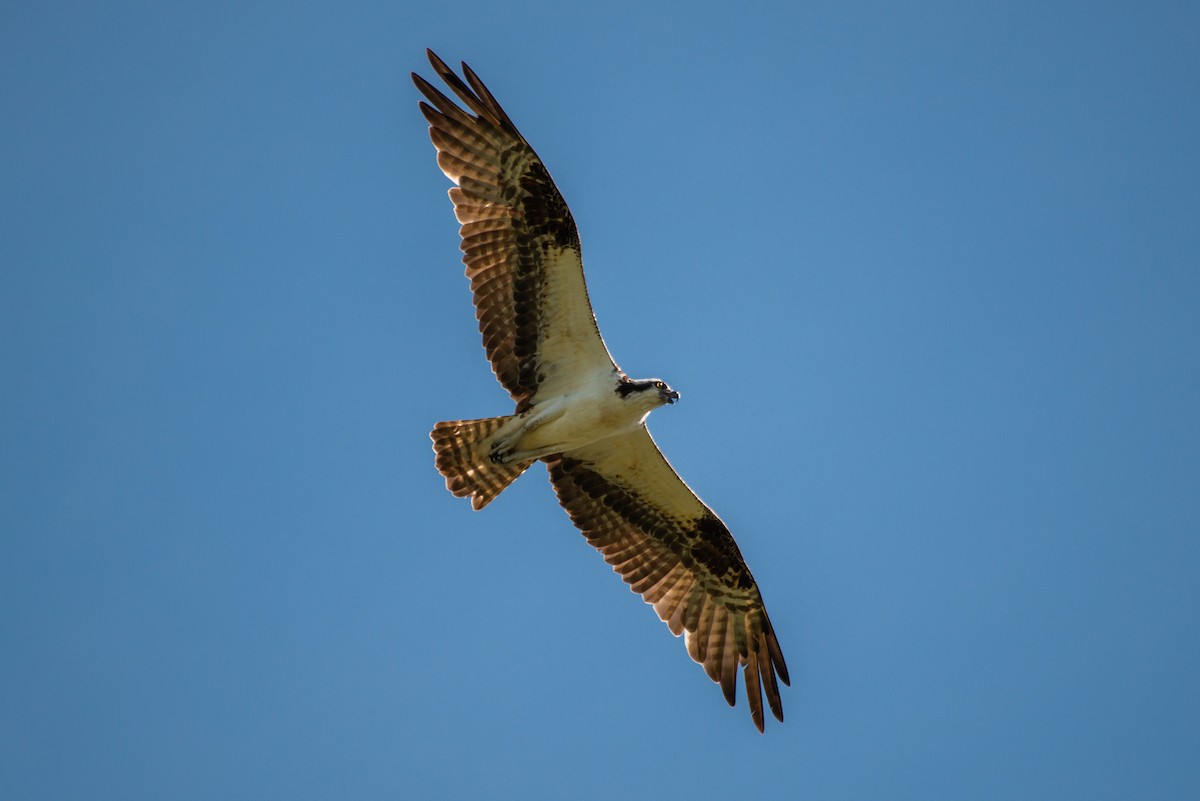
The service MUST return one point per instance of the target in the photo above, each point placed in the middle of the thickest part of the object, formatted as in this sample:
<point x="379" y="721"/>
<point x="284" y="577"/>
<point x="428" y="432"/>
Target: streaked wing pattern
<point x="519" y="241"/>
<point x="670" y="548"/>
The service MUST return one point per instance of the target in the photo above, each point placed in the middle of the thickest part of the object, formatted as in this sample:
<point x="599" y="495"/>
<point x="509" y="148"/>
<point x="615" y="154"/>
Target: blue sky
<point x="926" y="275"/>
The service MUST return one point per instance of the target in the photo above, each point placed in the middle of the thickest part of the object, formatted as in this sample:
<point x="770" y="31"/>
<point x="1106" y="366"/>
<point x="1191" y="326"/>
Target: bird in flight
<point x="576" y="411"/>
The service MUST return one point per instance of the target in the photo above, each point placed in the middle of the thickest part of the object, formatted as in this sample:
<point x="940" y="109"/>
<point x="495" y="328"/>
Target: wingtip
<point x="439" y="66"/>
<point x="729" y="688"/>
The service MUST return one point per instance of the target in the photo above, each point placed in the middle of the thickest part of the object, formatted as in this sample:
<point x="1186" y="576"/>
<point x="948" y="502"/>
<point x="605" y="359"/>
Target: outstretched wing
<point x="519" y="242"/>
<point x="670" y="548"/>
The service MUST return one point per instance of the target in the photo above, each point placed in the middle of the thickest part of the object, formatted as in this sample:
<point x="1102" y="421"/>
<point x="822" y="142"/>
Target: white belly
<point x="572" y="421"/>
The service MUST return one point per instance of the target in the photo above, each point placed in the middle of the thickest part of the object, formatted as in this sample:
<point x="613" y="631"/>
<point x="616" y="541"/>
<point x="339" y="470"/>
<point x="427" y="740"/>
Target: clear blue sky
<point x="925" y="273"/>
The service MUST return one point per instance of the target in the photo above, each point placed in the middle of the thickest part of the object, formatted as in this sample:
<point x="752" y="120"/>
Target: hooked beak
<point x="670" y="395"/>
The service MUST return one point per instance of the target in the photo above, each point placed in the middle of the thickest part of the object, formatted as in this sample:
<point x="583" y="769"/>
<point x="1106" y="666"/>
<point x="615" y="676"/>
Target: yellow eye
<point x="659" y="385"/>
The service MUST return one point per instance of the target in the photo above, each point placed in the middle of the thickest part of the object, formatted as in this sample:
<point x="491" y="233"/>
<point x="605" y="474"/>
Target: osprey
<point x="575" y="409"/>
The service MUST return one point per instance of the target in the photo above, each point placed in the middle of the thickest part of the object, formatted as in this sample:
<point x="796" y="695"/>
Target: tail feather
<point x="464" y="459"/>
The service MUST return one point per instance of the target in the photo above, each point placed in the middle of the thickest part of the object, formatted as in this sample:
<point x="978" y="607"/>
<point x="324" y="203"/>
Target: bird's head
<point x="649" y="393"/>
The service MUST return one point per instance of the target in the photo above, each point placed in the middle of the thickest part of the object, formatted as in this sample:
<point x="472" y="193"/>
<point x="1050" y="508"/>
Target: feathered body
<point x="575" y="409"/>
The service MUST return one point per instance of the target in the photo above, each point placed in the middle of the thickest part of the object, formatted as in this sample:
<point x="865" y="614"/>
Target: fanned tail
<point x="464" y="458"/>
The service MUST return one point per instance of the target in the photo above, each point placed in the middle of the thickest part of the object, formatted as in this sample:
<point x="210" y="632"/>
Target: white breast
<point x="592" y="411"/>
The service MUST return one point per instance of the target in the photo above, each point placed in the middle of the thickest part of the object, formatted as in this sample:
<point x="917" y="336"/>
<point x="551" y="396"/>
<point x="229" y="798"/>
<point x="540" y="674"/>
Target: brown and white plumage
<point x="575" y="409"/>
